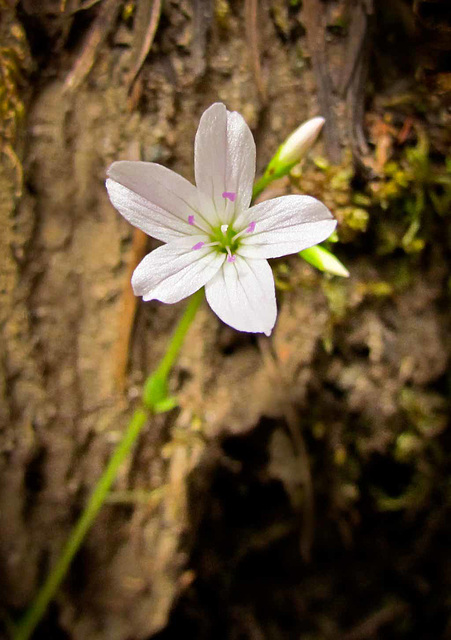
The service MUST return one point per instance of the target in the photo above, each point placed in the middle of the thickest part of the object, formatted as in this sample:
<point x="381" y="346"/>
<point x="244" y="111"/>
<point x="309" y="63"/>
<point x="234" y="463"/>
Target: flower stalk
<point x="155" y="399"/>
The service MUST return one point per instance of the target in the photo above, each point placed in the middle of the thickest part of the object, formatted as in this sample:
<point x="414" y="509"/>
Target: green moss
<point x="14" y="61"/>
<point x="407" y="447"/>
<point x="336" y="292"/>
<point x="415" y="495"/>
<point x="413" y="189"/>
<point x="356" y="218"/>
<point x="401" y="201"/>
<point x="222" y="13"/>
<point x="282" y="277"/>
<point x="400" y="274"/>
<point x="374" y="289"/>
<point x="426" y="411"/>
<point x="279" y="11"/>
<point x="128" y="10"/>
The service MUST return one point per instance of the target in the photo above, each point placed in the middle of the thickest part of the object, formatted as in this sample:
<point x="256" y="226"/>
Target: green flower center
<point x="223" y="238"/>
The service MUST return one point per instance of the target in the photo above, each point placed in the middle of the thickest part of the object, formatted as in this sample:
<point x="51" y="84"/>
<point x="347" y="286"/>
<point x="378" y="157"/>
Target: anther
<point x="193" y="222"/>
<point x="197" y="246"/>
<point x="230" y="257"/>
<point x="250" y="229"/>
<point x="229" y="195"/>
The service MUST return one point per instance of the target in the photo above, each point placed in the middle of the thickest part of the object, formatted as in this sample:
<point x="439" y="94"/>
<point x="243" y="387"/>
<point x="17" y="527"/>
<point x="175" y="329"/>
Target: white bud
<point x="299" y="142"/>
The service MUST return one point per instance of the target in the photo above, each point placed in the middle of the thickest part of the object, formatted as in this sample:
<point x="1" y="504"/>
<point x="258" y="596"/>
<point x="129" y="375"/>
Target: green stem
<point x="261" y="185"/>
<point x="179" y="334"/>
<point x="155" y="393"/>
<point x="139" y="419"/>
<point x="273" y="171"/>
<point x="54" y="579"/>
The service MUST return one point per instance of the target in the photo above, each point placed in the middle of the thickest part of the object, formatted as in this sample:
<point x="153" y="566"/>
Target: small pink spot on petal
<point x="199" y="245"/>
<point x="231" y="258"/>
<point x="191" y="220"/>
<point x="251" y="227"/>
<point x="230" y="195"/>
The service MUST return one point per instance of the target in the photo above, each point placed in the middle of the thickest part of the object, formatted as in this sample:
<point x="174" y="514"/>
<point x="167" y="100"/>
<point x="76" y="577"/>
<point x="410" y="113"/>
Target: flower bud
<point x="323" y="260"/>
<point x="299" y="142"/>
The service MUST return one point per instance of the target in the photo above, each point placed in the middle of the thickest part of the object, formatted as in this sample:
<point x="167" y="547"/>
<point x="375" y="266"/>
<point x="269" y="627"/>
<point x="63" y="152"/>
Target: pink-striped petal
<point x="154" y="199"/>
<point x="176" y="270"/>
<point x="285" y="225"/>
<point x="224" y="160"/>
<point x="242" y="295"/>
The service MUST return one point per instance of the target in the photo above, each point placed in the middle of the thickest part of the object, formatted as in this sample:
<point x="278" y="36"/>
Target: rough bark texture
<point x="301" y="490"/>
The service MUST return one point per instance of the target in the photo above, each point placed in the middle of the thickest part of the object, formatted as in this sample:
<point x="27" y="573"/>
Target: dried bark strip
<point x="315" y="37"/>
<point x="96" y="37"/>
<point x="251" y="8"/>
<point x="128" y="306"/>
<point x="145" y="27"/>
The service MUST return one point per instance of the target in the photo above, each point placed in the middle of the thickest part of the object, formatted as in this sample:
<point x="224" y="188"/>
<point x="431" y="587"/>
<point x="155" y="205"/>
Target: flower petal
<point x="154" y="199"/>
<point x="285" y="225"/>
<point x="242" y="294"/>
<point x="176" y="270"/>
<point x="224" y="160"/>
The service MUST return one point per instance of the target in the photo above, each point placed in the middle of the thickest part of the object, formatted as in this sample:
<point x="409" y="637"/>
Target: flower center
<point x="224" y="238"/>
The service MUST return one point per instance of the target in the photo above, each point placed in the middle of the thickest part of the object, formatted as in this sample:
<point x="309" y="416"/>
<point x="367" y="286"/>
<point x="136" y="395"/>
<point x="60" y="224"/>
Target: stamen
<point x="250" y="229"/>
<point x="193" y="222"/>
<point x="224" y="228"/>
<point x="230" y="257"/>
<point x="199" y="245"/>
<point x="229" y="195"/>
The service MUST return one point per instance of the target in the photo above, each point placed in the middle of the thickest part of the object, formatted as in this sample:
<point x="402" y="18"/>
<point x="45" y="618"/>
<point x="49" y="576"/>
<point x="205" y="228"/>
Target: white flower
<point x="212" y="237"/>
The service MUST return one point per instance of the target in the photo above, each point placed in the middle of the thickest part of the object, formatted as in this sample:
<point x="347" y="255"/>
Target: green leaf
<point x="165" y="405"/>
<point x="155" y="391"/>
